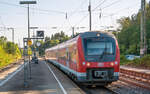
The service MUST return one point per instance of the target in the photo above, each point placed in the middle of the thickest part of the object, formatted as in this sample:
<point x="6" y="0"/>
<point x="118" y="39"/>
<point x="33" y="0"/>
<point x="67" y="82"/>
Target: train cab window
<point x="98" y="47"/>
<point x="99" y="50"/>
<point x="67" y="54"/>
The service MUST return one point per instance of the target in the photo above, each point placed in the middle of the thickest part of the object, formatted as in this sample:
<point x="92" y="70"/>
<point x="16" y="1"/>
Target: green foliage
<point x="129" y="36"/>
<point x="143" y="62"/>
<point x="123" y="60"/>
<point x="52" y="41"/>
<point x="9" y="52"/>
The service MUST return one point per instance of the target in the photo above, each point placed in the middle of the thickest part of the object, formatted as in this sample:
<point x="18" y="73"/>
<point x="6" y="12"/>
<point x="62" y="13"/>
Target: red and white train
<point x="91" y="58"/>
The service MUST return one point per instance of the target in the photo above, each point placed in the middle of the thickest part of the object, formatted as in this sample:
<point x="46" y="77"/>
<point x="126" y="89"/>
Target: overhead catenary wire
<point x="107" y="6"/>
<point x="55" y="11"/>
<point x="84" y="17"/>
<point x="64" y="13"/>
<point x="3" y="25"/>
<point x="75" y="11"/>
<point x="120" y="10"/>
<point x="42" y="10"/>
<point x="99" y="5"/>
<point x="3" y="28"/>
<point x="102" y="8"/>
<point x="52" y="11"/>
<point x="80" y="11"/>
<point x="115" y="13"/>
<point x="113" y="3"/>
<point x="61" y="12"/>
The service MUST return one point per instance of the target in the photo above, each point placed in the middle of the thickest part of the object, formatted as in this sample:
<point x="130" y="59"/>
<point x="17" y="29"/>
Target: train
<point x="91" y="58"/>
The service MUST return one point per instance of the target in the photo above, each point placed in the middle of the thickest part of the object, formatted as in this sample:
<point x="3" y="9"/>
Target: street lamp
<point x="28" y="3"/>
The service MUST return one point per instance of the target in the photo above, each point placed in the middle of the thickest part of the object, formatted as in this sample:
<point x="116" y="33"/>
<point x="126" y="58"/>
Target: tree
<point x="129" y="37"/>
<point x="52" y="41"/>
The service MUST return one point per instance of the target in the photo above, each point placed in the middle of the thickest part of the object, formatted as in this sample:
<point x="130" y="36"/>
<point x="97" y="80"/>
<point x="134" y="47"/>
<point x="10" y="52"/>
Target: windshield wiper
<point x="104" y="52"/>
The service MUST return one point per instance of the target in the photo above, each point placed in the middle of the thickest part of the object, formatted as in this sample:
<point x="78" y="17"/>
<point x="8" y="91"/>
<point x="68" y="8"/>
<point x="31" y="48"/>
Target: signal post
<point x="27" y="42"/>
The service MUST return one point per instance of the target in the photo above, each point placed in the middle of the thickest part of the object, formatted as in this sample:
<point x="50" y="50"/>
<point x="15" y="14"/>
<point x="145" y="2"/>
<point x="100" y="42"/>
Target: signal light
<point x="98" y="34"/>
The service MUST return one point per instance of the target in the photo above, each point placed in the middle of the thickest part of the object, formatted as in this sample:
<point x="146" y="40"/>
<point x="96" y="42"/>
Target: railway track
<point x="98" y="90"/>
<point x="89" y="89"/>
<point x="140" y="79"/>
<point x="10" y="66"/>
<point x="127" y="88"/>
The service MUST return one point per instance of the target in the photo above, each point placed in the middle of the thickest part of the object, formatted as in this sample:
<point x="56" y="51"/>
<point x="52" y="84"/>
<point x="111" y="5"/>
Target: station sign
<point x="29" y="42"/>
<point x="38" y="43"/>
<point x="40" y="34"/>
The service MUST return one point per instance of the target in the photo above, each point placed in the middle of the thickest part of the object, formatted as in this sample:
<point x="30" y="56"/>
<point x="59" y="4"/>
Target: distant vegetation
<point x="52" y="41"/>
<point x="143" y="62"/>
<point x="9" y="52"/>
<point x="129" y="36"/>
<point x="129" y="39"/>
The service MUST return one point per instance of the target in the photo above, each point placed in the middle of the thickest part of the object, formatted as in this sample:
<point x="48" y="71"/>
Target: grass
<point x="143" y="62"/>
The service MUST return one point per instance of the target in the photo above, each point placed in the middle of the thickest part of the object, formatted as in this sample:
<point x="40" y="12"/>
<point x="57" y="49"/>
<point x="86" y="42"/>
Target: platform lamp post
<point x="28" y="3"/>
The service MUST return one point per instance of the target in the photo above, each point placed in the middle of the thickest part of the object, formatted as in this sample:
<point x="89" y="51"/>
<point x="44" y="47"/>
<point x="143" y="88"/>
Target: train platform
<point x="144" y="71"/>
<point x="45" y="79"/>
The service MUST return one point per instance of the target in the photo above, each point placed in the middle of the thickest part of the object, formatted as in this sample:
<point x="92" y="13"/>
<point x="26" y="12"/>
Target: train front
<point x="99" y="58"/>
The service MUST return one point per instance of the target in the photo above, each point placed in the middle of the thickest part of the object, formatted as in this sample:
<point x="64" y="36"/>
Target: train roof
<point x="84" y="34"/>
<point x="94" y="33"/>
<point x="61" y="45"/>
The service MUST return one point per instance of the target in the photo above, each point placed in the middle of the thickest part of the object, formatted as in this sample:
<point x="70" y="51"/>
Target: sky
<point x="62" y="14"/>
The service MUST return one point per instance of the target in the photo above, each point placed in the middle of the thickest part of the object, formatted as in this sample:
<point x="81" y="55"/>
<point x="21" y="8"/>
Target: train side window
<point x="67" y="53"/>
<point x="75" y="50"/>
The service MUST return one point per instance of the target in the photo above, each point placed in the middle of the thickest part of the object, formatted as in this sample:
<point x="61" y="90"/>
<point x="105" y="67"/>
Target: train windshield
<point x="99" y="48"/>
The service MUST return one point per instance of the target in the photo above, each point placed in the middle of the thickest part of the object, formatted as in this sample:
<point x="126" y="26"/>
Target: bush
<point x="9" y="52"/>
<point x="143" y="62"/>
<point x="6" y="59"/>
<point x="123" y="60"/>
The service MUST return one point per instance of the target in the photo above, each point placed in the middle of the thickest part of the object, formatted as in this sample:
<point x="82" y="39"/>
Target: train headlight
<point x="116" y="62"/>
<point x="83" y="63"/>
<point x="98" y="34"/>
<point x="112" y="64"/>
<point x="88" y="64"/>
